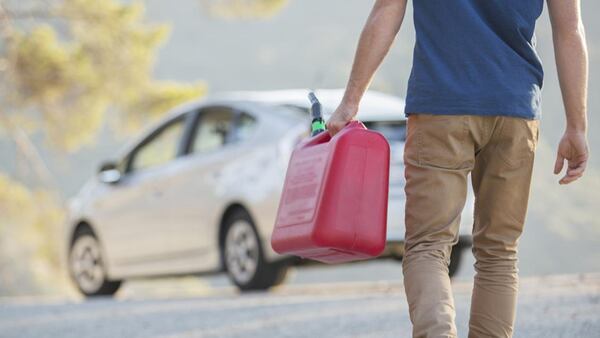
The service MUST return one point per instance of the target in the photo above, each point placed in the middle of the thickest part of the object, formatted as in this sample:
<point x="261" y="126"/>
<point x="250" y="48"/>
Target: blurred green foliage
<point x="63" y="66"/>
<point x="99" y="55"/>
<point x="30" y="239"/>
<point x="244" y="9"/>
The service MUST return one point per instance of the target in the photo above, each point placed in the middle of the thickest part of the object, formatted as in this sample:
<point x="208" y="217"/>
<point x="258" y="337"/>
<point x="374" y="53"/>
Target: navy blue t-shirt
<point x="476" y="57"/>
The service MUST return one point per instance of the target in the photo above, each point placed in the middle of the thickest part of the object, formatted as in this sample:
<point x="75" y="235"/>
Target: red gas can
<point x="334" y="203"/>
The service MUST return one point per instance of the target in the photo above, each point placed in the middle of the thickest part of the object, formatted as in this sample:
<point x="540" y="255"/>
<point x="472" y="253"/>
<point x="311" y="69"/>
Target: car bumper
<point x="395" y="217"/>
<point x="396" y="248"/>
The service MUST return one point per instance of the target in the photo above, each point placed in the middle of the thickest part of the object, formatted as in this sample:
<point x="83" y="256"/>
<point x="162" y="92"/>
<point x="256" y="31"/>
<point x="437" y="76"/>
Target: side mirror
<point x="109" y="173"/>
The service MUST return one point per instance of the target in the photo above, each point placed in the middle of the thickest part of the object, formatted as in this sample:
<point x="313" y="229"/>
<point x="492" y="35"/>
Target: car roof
<point x="375" y="106"/>
<point x="257" y="107"/>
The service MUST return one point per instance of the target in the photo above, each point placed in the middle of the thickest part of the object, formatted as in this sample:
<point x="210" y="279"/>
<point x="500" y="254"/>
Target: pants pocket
<point x="442" y="141"/>
<point x="517" y="140"/>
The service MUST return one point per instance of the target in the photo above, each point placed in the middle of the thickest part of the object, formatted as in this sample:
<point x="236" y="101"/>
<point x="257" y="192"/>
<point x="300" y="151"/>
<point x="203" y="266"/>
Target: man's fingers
<point x="335" y="127"/>
<point x="569" y="179"/>
<point x="575" y="148"/>
<point x="329" y="127"/>
<point x="576" y="169"/>
<point x="332" y="129"/>
<point x="558" y="165"/>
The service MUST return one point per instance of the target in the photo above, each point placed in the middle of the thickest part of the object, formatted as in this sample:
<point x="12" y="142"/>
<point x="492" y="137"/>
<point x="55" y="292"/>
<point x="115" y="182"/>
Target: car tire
<point x="243" y="255"/>
<point x="455" y="260"/>
<point x="86" y="266"/>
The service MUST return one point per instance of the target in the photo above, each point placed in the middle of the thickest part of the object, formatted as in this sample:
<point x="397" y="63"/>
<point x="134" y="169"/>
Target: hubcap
<point x="86" y="264"/>
<point x="241" y="251"/>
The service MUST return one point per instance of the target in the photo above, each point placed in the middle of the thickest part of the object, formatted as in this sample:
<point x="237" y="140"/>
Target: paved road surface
<point x="559" y="306"/>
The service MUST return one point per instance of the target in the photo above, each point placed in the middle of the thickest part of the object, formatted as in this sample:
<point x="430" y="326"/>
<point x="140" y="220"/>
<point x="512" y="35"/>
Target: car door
<point x="213" y="142"/>
<point x="138" y="221"/>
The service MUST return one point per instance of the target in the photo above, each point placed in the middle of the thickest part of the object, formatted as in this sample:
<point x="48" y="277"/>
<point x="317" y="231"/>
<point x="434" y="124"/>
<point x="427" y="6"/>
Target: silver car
<point x="198" y="192"/>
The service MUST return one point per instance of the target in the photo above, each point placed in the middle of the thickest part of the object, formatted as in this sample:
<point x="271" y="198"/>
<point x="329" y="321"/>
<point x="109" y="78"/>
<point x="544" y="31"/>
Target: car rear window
<point x="394" y="131"/>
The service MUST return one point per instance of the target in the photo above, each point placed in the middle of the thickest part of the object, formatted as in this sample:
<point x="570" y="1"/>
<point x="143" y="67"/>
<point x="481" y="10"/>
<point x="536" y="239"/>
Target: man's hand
<point x="572" y="64"/>
<point x="340" y="118"/>
<point x="573" y="148"/>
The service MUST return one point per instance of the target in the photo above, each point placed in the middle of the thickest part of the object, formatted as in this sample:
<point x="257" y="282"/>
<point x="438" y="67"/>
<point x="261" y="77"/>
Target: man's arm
<point x="572" y="65"/>
<point x="375" y="41"/>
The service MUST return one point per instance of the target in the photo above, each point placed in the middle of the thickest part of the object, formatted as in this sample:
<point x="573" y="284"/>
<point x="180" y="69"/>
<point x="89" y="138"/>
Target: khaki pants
<point x="441" y="150"/>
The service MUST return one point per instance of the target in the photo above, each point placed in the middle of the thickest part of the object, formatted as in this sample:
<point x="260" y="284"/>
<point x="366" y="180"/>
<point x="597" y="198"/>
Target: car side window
<point x="244" y="128"/>
<point x="212" y="130"/>
<point x="160" y="149"/>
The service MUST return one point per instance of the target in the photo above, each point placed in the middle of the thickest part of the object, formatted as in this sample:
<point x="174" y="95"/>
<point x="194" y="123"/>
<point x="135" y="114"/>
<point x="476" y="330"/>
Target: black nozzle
<point x="313" y="98"/>
<point x="316" y="112"/>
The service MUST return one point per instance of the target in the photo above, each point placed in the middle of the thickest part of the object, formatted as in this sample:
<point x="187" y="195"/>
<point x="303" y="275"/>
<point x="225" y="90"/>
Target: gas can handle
<point x="355" y="124"/>
<point x="320" y="138"/>
<point x="325" y="137"/>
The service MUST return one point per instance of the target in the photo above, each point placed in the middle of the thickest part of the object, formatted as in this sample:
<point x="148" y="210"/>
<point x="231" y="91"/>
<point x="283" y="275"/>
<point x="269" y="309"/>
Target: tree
<point x="78" y="60"/>
<point x="245" y="9"/>
<point x="29" y="257"/>
<point x="64" y="65"/>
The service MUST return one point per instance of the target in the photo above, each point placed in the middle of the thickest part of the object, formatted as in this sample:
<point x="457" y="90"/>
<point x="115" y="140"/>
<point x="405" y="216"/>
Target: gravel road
<point x="556" y="306"/>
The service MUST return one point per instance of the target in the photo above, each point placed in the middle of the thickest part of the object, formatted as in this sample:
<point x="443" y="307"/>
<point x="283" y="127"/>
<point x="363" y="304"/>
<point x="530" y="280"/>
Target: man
<point x="473" y="105"/>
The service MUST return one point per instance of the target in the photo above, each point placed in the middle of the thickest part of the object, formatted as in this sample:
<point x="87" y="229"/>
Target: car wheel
<point x="455" y="259"/>
<point x="87" y="268"/>
<point x="243" y="256"/>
